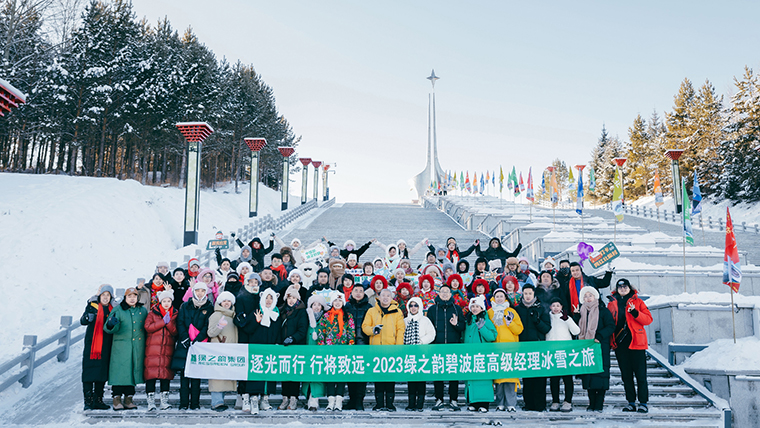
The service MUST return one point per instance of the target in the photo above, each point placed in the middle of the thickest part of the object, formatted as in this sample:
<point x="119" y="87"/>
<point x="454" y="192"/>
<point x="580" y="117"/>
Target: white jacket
<point x="562" y="330"/>
<point x="426" y="328"/>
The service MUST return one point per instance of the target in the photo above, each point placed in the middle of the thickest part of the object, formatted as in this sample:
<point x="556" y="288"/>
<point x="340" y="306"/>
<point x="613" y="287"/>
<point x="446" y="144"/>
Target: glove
<point x="288" y="341"/>
<point x="112" y="322"/>
<point x="481" y="322"/>
<point x="313" y="335"/>
<point x="376" y="330"/>
<point x="254" y="262"/>
<point x="222" y="323"/>
<point x="564" y="316"/>
<point x="91" y="317"/>
<point x="509" y="317"/>
<point x="635" y="312"/>
<point x="186" y="343"/>
<point x="167" y="317"/>
<point x="232" y="234"/>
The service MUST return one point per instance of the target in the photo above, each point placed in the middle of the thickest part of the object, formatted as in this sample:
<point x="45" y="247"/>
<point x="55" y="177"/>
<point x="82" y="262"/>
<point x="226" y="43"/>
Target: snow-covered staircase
<point x="672" y="403"/>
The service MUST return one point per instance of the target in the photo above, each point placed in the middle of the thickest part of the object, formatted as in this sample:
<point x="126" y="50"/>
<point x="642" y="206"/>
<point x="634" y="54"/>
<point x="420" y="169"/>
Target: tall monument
<point x="433" y="172"/>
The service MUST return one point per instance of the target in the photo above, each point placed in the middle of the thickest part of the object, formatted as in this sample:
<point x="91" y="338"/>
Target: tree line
<point x="720" y="140"/>
<point x="104" y="91"/>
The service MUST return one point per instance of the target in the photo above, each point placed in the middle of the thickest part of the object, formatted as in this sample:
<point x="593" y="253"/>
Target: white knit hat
<point x="226" y="295"/>
<point x="166" y="294"/>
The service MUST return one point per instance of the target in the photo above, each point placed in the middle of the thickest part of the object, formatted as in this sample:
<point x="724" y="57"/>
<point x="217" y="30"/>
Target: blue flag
<point x="697" y="197"/>
<point x="579" y="203"/>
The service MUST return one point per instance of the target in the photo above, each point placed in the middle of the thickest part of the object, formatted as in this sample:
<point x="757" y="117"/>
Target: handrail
<point x="681" y="374"/>
<point x="28" y="359"/>
<point x="649" y="212"/>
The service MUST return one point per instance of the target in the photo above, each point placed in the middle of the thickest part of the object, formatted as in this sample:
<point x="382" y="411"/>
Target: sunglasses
<point x="414" y="305"/>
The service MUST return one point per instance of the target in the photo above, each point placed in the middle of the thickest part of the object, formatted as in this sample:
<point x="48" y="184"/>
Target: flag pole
<point x="702" y="225"/>
<point x="658" y="219"/>
<point x="583" y="235"/>
<point x="733" y="314"/>
<point x="684" y="263"/>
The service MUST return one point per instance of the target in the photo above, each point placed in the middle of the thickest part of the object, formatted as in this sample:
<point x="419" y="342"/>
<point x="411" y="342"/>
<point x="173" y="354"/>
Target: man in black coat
<point x="496" y="251"/>
<point x="448" y="321"/>
<point x="570" y="287"/>
<point x="536" y="323"/>
<point x="258" y="251"/>
<point x="357" y="306"/>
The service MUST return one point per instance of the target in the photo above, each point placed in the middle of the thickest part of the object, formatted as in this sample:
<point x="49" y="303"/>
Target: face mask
<point x="524" y="266"/>
<point x="565" y="271"/>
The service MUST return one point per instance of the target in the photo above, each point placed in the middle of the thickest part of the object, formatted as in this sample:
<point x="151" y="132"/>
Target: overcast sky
<point x="521" y="83"/>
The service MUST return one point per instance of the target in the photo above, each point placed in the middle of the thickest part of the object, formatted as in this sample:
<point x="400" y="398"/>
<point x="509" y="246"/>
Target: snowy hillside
<point x="749" y="213"/>
<point x="64" y="236"/>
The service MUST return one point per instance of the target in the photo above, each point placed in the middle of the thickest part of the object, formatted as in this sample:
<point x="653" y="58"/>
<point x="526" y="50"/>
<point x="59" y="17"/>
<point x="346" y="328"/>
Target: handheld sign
<point x="606" y="254"/>
<point x="222" y="244"/>
<point x="314" y="253"/>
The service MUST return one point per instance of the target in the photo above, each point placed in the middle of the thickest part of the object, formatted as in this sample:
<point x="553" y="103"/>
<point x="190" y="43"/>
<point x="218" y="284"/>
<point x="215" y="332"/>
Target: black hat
<point x="622" y="282"/>
<point x="557" y="300"/>
<point x="575" y="264"/>
<point x="529" y="285"/>
<point x="233" y="274"/>
<point x="276" y="256"/>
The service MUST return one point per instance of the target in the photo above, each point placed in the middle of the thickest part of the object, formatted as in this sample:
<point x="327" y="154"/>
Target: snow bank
<point x="704" y="297"/>
<point x="724" y="354"/>
<point x="64" y="236"/>
<point x="748" y="213"/>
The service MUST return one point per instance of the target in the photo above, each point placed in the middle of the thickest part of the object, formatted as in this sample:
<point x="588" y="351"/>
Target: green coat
<point x="317" y="389"/>
<point x="128" y="349"/>
<point x="479" y="391"/>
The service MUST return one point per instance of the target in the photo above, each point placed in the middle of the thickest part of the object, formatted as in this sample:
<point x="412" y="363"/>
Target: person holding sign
<point x="630" y="342"/>
<point x="384" y="324"/>
<point x="571" y="287"/>
<point x="508" y="328"/>
<point x="448" y="322"/>
<point x="478" y="329"/>
<point x="536" y="323"/>
<point x="419" y="331"/>
<point x="596" y="323"/>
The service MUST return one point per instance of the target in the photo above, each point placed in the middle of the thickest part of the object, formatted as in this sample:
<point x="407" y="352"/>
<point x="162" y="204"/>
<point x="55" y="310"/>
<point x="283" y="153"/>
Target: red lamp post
<point x="304" y="177"/>
<point x="325" y="189"/>
<point x="194" y="133"/>
<point x="255" y="144"/>
<point x="285" y="152"/>
<point x="677" y="197"/>
<point x="316" y="164"/>
<point x="10" y="97"/>
<point x="620" y="162"/>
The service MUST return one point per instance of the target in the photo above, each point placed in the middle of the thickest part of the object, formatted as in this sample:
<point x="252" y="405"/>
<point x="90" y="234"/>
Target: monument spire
<point x="433" y="172"/>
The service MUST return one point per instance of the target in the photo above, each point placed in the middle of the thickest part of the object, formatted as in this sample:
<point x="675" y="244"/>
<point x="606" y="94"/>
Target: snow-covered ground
<point x="749" y="213"/>
<point x="724" y="354"/>
<point x="64" y="236"/>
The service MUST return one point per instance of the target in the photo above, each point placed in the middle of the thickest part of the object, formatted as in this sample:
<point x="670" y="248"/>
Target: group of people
<point x="145" y="337"/>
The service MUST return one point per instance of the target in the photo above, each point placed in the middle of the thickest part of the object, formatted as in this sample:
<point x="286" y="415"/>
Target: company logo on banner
<point x="392" y="363"/>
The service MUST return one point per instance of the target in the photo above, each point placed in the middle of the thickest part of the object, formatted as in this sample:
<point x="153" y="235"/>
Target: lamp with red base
<point x="677" y="197"/>
<point x="285" y="152"/>
<point x="304" y="177"/>
<point x="255" y="144"/>
<point x="620" y="162"/>
<point x="194" y="133"/>
<point x="325" y="190"/>
<point x="316" y="164"/>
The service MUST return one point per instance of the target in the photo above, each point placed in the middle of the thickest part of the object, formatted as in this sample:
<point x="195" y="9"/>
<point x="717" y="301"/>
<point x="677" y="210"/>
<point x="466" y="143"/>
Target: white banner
<point x="223" y="361"/>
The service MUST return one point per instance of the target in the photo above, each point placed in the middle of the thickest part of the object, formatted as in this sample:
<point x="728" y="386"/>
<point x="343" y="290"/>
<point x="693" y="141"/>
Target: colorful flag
<point x="488" y="176"/>
<point x="509" y="181"/>
<point x="579" y="202"/>
<point x="529" y="196"/>
<point x="591" y="180"/>
<point x="657" y="190"/>
<point x="461" y="180"/>
<point x="515" y="184"/>
<point x="554" y="190"/>
<point x="501" y="179"/>
<point x="482" y="184"/>
<point x="617" y="196"/>
<point x="474" y="182"/>
<point x="687" y="232"/>
<point x="522" y="185"/>
<point x="570" y="179"/>
<point x="697" y="197"/>
<point x="467" y="182"/>
<point x="543" y="183"/>
<point x="493" y="179"/>
<point x="732" y="268"/>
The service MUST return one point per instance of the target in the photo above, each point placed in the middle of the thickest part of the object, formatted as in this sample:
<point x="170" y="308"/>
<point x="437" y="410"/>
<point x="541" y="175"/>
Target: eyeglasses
<point x="623" y="286"/>
<point x="414" y="305"/>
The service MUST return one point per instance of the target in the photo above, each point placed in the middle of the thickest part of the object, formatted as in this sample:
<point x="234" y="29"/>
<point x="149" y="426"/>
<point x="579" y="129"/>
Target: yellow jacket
<point x="392" y="321"/>
<point x="506" y="333"/>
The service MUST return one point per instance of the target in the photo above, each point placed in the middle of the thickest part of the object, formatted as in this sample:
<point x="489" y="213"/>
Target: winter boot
<point x="293" y="403"/>
<point x="361" y="391"/>
<point x="264" y="405"/>
<point x="128" y="403"/>
<point x="330" y="404"/>
<point x="554" y="407"/>
<point x="254" y="405"/>
<point x="98" y="404"/>
<point x="88" y="397"/>
<point x="338" y="403"/>
<point x="151" y="401"/>
<point x="313" y="403"/>
<point x="421" y="401"/>
<point x="117" y="403"/>
<point x="412" y="407"/>
<point x="379" y="401"/>
<point x="389" y="397"/>
<point x="164" y="405"/>
<point x="239" y="402"/>
<point x="284" y="404"/>
<point x="566" y="407"/>
<point x="246" y="405"/>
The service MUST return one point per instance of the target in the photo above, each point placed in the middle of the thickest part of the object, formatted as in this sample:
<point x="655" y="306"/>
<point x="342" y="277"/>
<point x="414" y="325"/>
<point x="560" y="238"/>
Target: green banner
<point x="389" y="363"/>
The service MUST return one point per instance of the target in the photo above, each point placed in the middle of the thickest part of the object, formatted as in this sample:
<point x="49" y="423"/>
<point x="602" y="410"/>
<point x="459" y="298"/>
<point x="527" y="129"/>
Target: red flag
<point x="732" y="270"/>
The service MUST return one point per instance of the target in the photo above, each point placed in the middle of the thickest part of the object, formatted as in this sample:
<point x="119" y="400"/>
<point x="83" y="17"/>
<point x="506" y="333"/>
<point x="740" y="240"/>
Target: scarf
<point x="164" y="311"/>
<point x="96" y="348"/>
<point x="281" y="271"/>
<point x="499" y="309"/>
<point x="589" y="320"/>
<point x="412" y="332"/>
<point x="336" y="313"/>
<point x="201" y="302"/>
<point x="269" y="314"/>
<point x="251" y="289"/>
<point x="528" y="303"/>
<point x="452" y="255"/>
<point x="574" y="291"/>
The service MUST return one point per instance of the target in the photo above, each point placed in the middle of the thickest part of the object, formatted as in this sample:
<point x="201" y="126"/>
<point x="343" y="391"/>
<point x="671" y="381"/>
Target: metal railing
<point x="23" y="365"/>
<point x="671" y="216"/>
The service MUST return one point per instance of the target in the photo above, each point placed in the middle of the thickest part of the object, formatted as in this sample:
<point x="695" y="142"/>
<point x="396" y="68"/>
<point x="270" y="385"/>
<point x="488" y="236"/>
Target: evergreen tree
<point x="641" y="163"/>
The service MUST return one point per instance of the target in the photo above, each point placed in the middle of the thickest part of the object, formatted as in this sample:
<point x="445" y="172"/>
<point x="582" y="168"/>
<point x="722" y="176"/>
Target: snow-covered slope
<point x="749" y="213"/>
<point x="64" y="236"/>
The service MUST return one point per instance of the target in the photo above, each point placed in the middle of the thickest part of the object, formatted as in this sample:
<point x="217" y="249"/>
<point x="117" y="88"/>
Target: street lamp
<point x="10" y="97"/>
<point x="316" y="164"/>
<point x="255" y="144"/>
<point x="285" y="152"/>
<point x="620" y="162"/>
<point x="194" y="133"/>
<point x="325" y="189"/>
<point x="304" y="177"/>
<point x="677" y="197"/>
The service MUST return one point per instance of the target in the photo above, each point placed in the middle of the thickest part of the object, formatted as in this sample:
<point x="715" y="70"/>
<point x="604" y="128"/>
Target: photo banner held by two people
<point x="389" y="363"/>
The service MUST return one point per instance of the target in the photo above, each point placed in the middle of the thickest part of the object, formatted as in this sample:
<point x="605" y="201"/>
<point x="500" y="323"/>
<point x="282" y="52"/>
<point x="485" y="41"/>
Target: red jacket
<point x="159" y="344"/>
<point x="635" y="325"/>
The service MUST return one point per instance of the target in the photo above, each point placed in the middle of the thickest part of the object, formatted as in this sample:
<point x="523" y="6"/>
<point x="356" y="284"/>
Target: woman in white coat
<point x="563" y="328"/>
<point x="419" y="331"/>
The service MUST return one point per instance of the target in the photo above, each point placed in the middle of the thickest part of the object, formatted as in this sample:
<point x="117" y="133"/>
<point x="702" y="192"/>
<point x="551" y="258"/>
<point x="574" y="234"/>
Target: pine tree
<point x="640" y="165"/>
